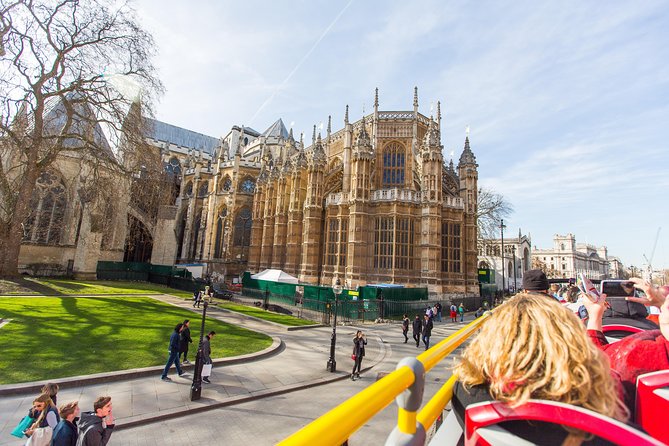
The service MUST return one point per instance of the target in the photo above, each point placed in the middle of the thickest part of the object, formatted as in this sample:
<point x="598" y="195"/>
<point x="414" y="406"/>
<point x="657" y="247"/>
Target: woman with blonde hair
<point x="45" y="413"/>
<point x="534" y="348"/>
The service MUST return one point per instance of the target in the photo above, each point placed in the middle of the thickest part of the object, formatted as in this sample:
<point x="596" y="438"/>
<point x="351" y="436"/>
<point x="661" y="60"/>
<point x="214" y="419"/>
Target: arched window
<point x="47" y="209"/>
<point x="227" y="184"/>
<point x="188" y="190"/>
<point x="173" y="167"/>
<point x="220" y="236"/>
<point x="248" y="186"/>
<point x="243" y="227"/>
<point x="204" y="189"/>
<point x="393" y="165"/>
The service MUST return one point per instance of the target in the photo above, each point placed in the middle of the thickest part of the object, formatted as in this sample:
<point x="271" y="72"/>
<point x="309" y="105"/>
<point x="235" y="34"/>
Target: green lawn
<point x="279" y="318"/>
<point x="54" y="337"/>
<point x="67" y="287"/>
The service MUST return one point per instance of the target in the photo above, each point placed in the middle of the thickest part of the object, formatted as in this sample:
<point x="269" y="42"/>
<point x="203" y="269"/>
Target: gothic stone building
<point x="371" y="203"/>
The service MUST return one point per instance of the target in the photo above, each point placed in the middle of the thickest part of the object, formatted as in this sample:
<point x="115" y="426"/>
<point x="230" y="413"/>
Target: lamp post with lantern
<point x="332" y="363"/>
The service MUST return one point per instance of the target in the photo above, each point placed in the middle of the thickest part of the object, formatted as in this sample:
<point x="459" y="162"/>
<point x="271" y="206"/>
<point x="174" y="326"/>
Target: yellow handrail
<point x="337" y="425"/>
<point x="431" y="411"/>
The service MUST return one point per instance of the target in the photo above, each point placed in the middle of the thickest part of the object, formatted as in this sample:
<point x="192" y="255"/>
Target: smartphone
<point x="585" y="285"/>
<point x="619" y="288"/>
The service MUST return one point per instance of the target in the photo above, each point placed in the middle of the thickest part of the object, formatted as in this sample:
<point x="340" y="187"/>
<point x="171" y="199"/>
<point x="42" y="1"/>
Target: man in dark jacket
<point x="65" y="433"/>
<point x="95" y="428"/>
<point x="417" y="330"/>
<point x="173" y="354"/>
<point x="184" y="340"/>
<point x="427" y="331"/>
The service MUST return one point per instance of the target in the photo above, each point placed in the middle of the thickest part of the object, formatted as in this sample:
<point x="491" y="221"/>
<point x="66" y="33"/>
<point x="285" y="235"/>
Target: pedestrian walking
<point x="197" y="298"/>
<point x="206" y="352"/>
<point x="359" y="342"/>
<point x="427" y="331"/>
<point x="429" y="312"/>
<point x="52" y="390"/>
<point x="417" y="330"/>
<point x="96" y="427"/>
<point x="184" y="341"/>
<point x="454" y="313"/>
<point x="173" y="357"/>
<point x="461" y="312"/>
<point x="405" y="328"/>
<point x="438" y="308"/>
<point x="65" y="433"/>
<point x="46" y="418"/>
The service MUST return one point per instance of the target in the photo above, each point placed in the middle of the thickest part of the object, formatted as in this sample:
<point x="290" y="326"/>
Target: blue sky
<point x="568" y="102"/>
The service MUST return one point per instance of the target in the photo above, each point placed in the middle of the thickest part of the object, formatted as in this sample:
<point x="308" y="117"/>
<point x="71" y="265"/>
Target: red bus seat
<point x="652" y="403"/>
<point x="481" y="418"/>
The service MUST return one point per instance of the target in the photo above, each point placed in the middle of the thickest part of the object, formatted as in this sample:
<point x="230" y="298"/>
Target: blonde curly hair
<point x="534" y="348"/>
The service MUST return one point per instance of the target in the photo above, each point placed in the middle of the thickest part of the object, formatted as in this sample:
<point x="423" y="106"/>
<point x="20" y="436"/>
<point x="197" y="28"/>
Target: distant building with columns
<point x="567" y="259"/>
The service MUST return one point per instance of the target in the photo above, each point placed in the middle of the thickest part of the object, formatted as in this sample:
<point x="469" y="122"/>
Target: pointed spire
<point x="329" y="124"/>
<point x="346" y="115"/>
<point x="519" y="234"/>
<point x="302" y="140"/>
<point x="376" y="98"/>
<point x="313" y="136"/>
<point x="439" y="113"/>
<point x="415" y="97"/>
<point x="290" y="134"/>
<point x="467" y="156"/>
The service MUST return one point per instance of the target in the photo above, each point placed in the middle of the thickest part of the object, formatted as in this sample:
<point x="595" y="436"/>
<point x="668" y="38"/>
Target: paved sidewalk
<point x="300" y="364"/>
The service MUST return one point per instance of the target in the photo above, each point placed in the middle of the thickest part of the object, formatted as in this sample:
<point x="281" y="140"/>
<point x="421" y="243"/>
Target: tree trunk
<point x="11" y="237"/>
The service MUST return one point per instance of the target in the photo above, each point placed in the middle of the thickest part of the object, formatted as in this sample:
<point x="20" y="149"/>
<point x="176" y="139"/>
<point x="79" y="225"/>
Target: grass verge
<point x="279" y="318"/>
<point x="55" y="337"/>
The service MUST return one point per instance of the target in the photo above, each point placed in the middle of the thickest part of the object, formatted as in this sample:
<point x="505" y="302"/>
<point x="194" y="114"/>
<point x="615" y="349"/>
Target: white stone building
<point x="567" y="259"/>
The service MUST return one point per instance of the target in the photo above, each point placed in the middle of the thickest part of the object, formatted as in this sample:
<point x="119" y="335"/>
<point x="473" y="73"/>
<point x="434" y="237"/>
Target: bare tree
<point x="76" y="80"/>
<point x="492" y="208"/>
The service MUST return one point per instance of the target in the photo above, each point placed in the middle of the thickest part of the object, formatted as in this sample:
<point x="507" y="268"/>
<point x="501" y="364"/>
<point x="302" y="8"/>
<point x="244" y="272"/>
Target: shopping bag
<point x="206" y="370"/>
<point x="353" y="357"/>
<point x="23" y="425"/>
<point x="40" y="437"/>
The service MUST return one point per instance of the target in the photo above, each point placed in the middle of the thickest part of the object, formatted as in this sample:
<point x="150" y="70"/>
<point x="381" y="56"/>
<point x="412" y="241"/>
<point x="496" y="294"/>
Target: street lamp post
<point x="501" y="227"/>
<point x="332" y="363"/>
<point x="196" y="387"/>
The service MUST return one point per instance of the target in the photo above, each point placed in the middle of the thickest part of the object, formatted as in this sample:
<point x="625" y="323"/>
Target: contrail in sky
<point x="299" y="64"/>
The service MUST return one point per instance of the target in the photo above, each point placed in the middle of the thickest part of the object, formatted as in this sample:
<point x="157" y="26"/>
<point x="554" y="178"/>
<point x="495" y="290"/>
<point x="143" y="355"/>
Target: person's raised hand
<point x="654" y="295"/>
<point x="663" y="318"/>
<point x="595" y="311"/>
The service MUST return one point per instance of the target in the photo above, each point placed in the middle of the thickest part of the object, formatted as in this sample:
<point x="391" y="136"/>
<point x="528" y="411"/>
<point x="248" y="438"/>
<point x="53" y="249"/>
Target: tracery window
<point x="220" y="225"/>
<point x="47" y="209"/>
<point x="173" y="167"/>
<point x="227" y="184"/>
<point x="243" y="227"/>
<point x="332" y="241"/>
<point x="248" y="186"/>
<point x="404" y="244"/>
<point x="204" y="189"/>
<point x="343" y="242"/>
<point x="450" y="247"/>
<point x="393" y="165"/>
<point x="188" y="190"/>
<point x="384" y="236"/>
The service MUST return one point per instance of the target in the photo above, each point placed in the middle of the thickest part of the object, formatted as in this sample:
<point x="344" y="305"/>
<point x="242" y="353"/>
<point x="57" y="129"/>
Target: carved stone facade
<point x="371" y="203"/>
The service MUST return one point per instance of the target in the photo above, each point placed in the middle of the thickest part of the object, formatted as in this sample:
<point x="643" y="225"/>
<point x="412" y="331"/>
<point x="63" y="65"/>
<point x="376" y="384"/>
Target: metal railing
<point x="405" y="385"/>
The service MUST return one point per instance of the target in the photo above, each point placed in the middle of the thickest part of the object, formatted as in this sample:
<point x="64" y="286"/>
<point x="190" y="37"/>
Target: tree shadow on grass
<point x="22" y="285"/>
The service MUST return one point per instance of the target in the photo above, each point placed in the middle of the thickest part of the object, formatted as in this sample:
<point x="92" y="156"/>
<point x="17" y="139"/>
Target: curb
<point x="75" y="381"/>
<point x="167" y="414"/>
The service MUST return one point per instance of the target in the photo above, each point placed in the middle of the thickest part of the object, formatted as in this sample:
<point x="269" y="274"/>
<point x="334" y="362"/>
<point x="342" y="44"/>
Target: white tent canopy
<point x="275" y="275"/>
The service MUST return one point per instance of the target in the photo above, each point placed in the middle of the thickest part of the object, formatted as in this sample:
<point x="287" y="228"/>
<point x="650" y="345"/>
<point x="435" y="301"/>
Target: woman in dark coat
<point x="184" y="340"/>
<point x="359" y="342"/>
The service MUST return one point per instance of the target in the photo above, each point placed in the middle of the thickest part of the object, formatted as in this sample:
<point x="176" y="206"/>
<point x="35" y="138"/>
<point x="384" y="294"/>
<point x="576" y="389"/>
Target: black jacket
<point x="91" y="431"/>
<point x="206" y="350"/>
<point x="427" y="328"/>
<point x="359" y="346"/>
<point x="184" y="338"/>
<point x="65" y="434"/>
<point x="622" y="312"/>
<point x="417" y="326"/>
